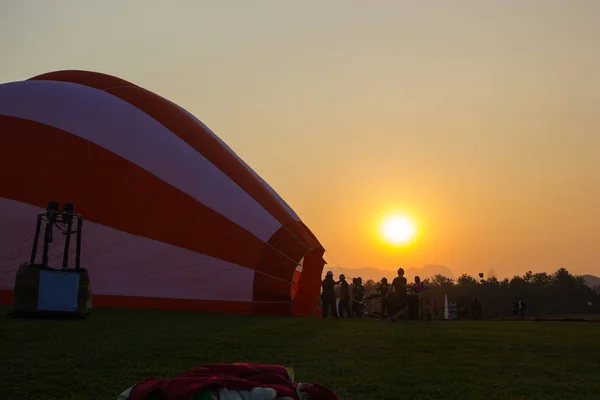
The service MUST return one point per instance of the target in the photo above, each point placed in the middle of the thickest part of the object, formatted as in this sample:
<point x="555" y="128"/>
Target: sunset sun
<point x="398" y="229"/>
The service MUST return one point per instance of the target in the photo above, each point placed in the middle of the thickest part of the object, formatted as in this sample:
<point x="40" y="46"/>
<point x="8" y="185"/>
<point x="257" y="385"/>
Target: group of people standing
<point x="472" y="309"/>
<point x="394" y="299"/>
<point x="351" y="297"/>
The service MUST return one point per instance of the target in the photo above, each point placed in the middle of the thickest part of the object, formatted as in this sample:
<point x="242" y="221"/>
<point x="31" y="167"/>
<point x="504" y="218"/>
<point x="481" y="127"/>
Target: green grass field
<point x="99" y="357"/>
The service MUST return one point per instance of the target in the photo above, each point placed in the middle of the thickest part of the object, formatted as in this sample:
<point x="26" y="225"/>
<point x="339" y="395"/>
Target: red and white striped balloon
<point x="174" y="218"/>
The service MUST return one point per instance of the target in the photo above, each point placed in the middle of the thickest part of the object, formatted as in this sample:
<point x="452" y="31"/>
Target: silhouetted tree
<point x="492" y="280"/>
<point x="441" y="281"/>
<point x="563" y="278"/>
<point x="545" y="294"/>
<point x="542" y="279"/>
<point x="466" y="280"/>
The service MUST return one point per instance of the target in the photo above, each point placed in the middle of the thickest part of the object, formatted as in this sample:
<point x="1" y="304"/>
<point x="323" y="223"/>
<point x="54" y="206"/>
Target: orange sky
<point x="479" y="117"/>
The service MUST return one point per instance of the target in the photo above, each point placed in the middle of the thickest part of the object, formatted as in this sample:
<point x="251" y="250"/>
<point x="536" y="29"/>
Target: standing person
<point x="419" y="286"/>
<point x="359" y="292"/>
<point x="352" y="307"/>
<point x="428" y="309"/>
<point x="522" y="307"/>
<point x="352" y="299"/>
<point x="383" y="288"/>
<point x="344" y="306"/>
<point x="328" y="296"/>
<point x="452" y="310"/>
<point x="462" y="310"/>
<point x="477" y="309"/>
<point x="401" y="297"/>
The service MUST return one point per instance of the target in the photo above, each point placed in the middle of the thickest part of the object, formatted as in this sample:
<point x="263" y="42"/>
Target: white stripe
<point x="123" y="129"/>
<point x="300" y="266"/>
<point x="123" y="264"/>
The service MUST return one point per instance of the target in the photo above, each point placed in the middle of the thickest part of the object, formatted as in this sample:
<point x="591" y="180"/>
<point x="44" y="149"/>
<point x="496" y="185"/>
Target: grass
<point x="99" y="357"/>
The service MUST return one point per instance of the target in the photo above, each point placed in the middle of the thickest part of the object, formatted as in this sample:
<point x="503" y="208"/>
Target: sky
<point x="479" y="119"/>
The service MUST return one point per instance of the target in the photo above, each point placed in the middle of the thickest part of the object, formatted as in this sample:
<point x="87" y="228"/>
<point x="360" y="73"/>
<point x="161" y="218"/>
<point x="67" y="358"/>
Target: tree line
<point x="560" y="293"/>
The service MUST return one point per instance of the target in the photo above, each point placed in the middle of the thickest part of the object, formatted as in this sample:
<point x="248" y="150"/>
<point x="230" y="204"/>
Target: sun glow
<point x="398" y="229"/>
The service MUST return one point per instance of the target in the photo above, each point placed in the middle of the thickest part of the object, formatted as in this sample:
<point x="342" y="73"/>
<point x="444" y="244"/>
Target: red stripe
<point x="284" y="241"/>
<point x="309" y="232"/>
<point x="92" y="79"/>
<point x="155" y="303"/>
<point x="309" y="285"/>
<point x="184" y="126"/>
<point x="6" y="296"/>
<point x="39" y="163"/>
<point x="267" y="288"/>
<point x="295" y="280"/>
<point x="278" y="309"/>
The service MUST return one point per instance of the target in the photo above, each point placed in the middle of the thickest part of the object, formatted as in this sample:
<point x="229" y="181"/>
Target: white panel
<point x="130" y="133"/>
<point x="58" y="291"/>
<point x="121" y="263"/>
<point x="300" y="266"/>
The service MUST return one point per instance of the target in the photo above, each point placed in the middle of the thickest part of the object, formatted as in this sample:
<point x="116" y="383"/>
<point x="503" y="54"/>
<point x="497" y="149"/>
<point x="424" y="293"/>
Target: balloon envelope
<point x="174" y="218"/>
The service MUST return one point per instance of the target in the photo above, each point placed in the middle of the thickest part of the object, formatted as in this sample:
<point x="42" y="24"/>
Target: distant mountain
<point x="376" y="274"/>
<point x="591" y="280"/>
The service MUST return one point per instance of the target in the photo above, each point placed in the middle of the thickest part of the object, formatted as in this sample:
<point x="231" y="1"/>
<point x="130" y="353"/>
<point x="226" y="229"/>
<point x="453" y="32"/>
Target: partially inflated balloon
<point x="174" y="218"/>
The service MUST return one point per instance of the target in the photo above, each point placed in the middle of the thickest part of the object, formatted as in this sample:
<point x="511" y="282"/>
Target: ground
<point x="99" y="357"/>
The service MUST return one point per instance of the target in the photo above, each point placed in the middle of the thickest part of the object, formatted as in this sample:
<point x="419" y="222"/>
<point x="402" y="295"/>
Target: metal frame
<point x="63" y="221"/>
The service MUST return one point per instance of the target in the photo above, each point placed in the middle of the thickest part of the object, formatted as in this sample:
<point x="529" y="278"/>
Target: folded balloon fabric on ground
<point x="226" y="394"/>
<point x="239" y="381"/>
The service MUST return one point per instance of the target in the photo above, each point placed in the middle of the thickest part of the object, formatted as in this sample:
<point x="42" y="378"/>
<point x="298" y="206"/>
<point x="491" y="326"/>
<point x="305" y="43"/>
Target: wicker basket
<point x="27" y="291"/>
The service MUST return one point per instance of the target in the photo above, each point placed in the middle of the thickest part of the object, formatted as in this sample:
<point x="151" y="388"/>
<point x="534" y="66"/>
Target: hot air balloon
<point x="174" y="218"/>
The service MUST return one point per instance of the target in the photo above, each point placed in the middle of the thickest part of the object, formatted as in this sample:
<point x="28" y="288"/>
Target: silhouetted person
<point x="435" y="308"/>
<point x="359" y="294"/>
<point x="383" y="288"/>
<point x="476" y="309"/>
<point x="400" y="296"/>
<point x="352" y="306"/>
<point x="328" y="296"/>
<point x="452" y="310"/>
<point x="419" y="286"/>
<point x="428" y="309"/>
<point x="462" y="310"/>
<point x="344" y="306"/>
<point x="522" y="307"/>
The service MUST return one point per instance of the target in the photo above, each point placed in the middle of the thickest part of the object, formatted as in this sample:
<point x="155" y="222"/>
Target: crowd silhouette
<point x="556" y="294"/>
